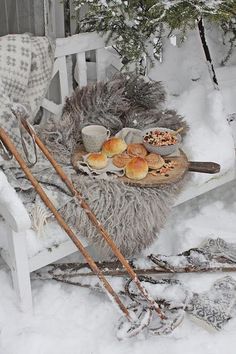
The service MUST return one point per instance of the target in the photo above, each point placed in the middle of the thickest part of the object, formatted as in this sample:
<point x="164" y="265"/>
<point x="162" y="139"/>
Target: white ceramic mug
<point x="93" y="137"/>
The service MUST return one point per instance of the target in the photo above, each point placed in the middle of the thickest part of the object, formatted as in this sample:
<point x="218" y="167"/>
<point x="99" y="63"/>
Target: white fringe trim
<point x="40" y="215"/>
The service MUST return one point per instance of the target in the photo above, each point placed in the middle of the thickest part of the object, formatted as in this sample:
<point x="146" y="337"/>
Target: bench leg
<point x="20" y="269"/>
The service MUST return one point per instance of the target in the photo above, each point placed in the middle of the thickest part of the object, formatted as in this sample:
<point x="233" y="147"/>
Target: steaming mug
<point x="93" y="137"/>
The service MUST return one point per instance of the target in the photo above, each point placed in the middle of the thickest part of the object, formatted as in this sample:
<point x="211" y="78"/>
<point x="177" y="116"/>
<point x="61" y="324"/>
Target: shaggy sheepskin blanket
<point x="132" y="216"/>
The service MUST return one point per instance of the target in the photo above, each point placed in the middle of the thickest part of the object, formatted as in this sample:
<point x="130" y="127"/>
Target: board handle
<point x="204" y="167"/>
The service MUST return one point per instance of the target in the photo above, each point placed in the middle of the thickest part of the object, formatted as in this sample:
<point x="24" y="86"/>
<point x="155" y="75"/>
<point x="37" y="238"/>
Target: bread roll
<point x="154" y="161"/>
<point x="97" y="160"/>
<point x="121" y="160"/>
<point x="114" y="146"/>
<point x="137" y="168"/>
<point x="136" y="150"/>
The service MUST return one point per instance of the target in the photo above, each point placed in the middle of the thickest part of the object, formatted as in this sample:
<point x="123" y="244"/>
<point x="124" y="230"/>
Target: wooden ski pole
<point x="114" y="269"/>
<point x="94" y="220"/>
<point x="11" y="147"/>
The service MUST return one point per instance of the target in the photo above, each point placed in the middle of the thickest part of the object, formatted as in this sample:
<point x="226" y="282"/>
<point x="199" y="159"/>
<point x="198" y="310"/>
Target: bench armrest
<point x="11" y="207"/>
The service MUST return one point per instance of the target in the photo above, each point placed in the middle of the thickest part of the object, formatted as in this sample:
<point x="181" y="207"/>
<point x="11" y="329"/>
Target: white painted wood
<point x="60" y="251"/>
<point x="113" y="58"/>
<point x="20" y="269"/>
<point x="192" y="190"/>
<point x="56" y="67"/>
<point x="80" y="72"/>
<point x="63" y="76"/>
<point x="79" y="43"/>
<point x="13" y="219"/>
<point x="6" y="257"/>
<point x="46" y="257"/>
<point x="51" y="106"/>
<point x="101" y="64"/>
<point x="11" y="207"/>
<point x="91" y="71"/>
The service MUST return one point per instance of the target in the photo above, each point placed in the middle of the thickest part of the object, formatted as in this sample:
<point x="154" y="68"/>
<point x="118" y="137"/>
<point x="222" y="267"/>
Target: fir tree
<point x="135" y="24"/>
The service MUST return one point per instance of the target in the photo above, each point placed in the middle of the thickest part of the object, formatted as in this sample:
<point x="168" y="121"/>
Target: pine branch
<point x="133" y="24"/>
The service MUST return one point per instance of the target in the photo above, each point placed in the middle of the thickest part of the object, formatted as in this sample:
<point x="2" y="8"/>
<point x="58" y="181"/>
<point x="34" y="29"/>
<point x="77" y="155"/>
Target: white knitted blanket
<point x="25" y="71"/>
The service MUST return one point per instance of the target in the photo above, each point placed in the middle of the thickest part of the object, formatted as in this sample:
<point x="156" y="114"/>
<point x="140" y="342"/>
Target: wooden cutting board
<point x="181" y="166"/>
<point x="174" y="175"/>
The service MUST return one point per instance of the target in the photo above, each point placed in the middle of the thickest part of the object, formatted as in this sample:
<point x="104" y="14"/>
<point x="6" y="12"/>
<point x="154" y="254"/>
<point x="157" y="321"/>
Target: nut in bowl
<point x="162" y="141"/>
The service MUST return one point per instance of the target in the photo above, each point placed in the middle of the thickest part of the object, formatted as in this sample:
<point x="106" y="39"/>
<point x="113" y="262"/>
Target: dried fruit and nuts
<point x="160" y="138"/>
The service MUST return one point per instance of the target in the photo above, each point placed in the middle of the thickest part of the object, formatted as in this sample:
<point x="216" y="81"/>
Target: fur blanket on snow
<point x="133" y="216"/>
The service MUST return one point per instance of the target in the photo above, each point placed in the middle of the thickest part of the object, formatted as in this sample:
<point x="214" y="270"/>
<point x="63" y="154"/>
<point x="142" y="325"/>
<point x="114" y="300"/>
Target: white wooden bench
<point x="17" y="222"/>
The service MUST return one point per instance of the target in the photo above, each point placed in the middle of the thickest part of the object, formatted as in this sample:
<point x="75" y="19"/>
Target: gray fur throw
<point x="133" y="216"/>
<point x="124" y="101"/>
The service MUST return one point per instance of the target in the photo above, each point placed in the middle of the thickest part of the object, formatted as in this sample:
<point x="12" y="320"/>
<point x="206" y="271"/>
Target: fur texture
<point x="125" y="101"/>
<point x="133" y="216"/>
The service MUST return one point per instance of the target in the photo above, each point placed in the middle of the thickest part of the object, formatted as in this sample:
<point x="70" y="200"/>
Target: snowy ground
<point x="72" y="320"/>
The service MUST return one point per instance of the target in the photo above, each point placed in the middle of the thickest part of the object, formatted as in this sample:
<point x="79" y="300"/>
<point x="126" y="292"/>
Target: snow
<point x="191" y="92"/>
<point x="71" y="320"/>
<point x="11" y="207"/>
<point x="210" y="3"/>
<point x="52" y="236"/>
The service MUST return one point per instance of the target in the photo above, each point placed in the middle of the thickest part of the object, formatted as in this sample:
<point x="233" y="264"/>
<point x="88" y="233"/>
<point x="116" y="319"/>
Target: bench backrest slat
<point x="70" y="63"/>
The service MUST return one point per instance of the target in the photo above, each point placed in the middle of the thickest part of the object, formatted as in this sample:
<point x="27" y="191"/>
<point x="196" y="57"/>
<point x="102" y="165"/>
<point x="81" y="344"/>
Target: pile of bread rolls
<point x="134" y="158"/>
